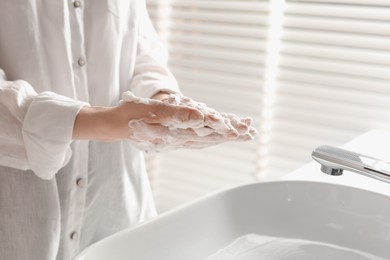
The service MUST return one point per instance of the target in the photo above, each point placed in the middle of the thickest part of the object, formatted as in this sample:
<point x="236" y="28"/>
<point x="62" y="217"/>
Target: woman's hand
<point x="112" y="123"/>
<point x="165" y="122"/>
<point x="215" y="128"/>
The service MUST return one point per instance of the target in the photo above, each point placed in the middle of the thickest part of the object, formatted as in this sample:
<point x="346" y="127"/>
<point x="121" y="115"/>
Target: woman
<point x="63" y="68"/>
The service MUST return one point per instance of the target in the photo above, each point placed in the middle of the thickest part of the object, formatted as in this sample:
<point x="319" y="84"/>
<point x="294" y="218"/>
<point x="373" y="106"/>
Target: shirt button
<point x="80" y="182"/>
<point x="74" y="235"/>
<point x="81" y="62"/>
<point x="76" y="4"/>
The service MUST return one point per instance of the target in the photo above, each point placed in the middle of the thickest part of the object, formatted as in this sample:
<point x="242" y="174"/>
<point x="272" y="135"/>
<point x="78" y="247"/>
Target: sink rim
<point x="195" y="203"/>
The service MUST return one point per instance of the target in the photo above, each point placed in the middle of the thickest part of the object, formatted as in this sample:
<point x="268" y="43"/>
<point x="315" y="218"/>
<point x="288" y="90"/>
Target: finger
<point x="143" y="132"/>
<point x="212" y="118"/>
<point x="179" y="99"/>
<point x="159" y="134"/>
<point x="187" y="135"/>
<point x="204" y="131"/>
<point x="244" y="138"/>
<point x="236" y="122"/>
<point x="173" y="99"/>
<point x="156" y="111"/>
<point x="247" y="120"/>
<point x="220" y="124"/>
<point x="233" y="133"/>
<point x="252" y="131"/>
<point x="161" y="140"/>
<point x="197" y="145"/>
<point x="179" y="116"/>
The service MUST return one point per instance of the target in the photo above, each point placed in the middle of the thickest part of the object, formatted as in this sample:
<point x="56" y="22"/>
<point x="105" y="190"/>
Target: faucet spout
<point x="335" y="160"/>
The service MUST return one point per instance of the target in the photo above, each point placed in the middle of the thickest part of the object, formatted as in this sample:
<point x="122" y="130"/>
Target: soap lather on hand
<point x="211" y="128"/>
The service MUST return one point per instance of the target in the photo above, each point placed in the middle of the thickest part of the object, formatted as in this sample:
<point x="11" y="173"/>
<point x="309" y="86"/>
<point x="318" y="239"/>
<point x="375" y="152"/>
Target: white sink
<point x="334" y="221"/>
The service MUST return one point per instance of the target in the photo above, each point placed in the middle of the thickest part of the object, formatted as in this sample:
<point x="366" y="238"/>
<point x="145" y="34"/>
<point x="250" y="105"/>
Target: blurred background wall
<point x="308" y="73"/>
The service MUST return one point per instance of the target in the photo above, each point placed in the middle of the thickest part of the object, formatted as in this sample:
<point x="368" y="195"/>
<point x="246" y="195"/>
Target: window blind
<point x="309" y="73"/>
<point x="217" y="54"/>
<point x="333" y="78"/>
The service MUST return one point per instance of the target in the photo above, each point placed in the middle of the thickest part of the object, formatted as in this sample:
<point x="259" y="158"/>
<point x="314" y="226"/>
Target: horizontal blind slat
<point x="217" y="78"/>
<point x="252" y="6"/>
<point x="378" y="3"/>
<point x="336" y="39"/>
<point x="326" y="9"/>
<point x="336" y="53"/>
<point x="343" y="68"/>
<point x="337" y="25"/>
<point x="325" y="93"/>
<point x="343" y="82"/>
<point x="217" y="66"/>
<point x="230" y="18"/>
<point x="241" y="56"/>
<point x="217" y="41"/>
<point x="215" y="29"/>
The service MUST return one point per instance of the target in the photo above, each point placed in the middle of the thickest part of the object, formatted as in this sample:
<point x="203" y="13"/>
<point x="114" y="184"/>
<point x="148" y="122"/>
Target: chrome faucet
<point x="334" y="161"/>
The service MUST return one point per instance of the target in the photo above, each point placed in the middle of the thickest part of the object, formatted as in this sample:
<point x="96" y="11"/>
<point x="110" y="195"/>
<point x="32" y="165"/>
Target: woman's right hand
<point x="112" y="123"/>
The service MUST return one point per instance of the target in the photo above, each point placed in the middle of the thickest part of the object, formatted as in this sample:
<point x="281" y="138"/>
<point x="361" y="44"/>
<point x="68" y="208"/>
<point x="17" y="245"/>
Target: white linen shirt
<point x="58" y="196"/>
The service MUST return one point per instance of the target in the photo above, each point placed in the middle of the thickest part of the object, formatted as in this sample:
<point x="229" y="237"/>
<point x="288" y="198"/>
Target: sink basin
<point x="327" y="216"/>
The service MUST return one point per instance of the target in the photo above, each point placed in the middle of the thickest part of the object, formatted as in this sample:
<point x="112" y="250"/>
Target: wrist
<point x="92" y="123"/>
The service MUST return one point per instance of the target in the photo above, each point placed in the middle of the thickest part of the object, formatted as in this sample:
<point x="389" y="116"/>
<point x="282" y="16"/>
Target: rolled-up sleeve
<point x="151" y="73"/>
<point x="35" y="128"/>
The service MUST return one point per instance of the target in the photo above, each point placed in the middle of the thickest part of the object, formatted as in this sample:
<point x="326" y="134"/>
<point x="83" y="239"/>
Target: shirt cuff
<point x="47" y="132"/>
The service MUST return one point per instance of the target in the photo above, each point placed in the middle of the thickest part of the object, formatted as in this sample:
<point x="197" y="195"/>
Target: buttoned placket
<point x="76" y="19"/>
<point x="80" y="171"/>
<point x="77" y="197"/>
